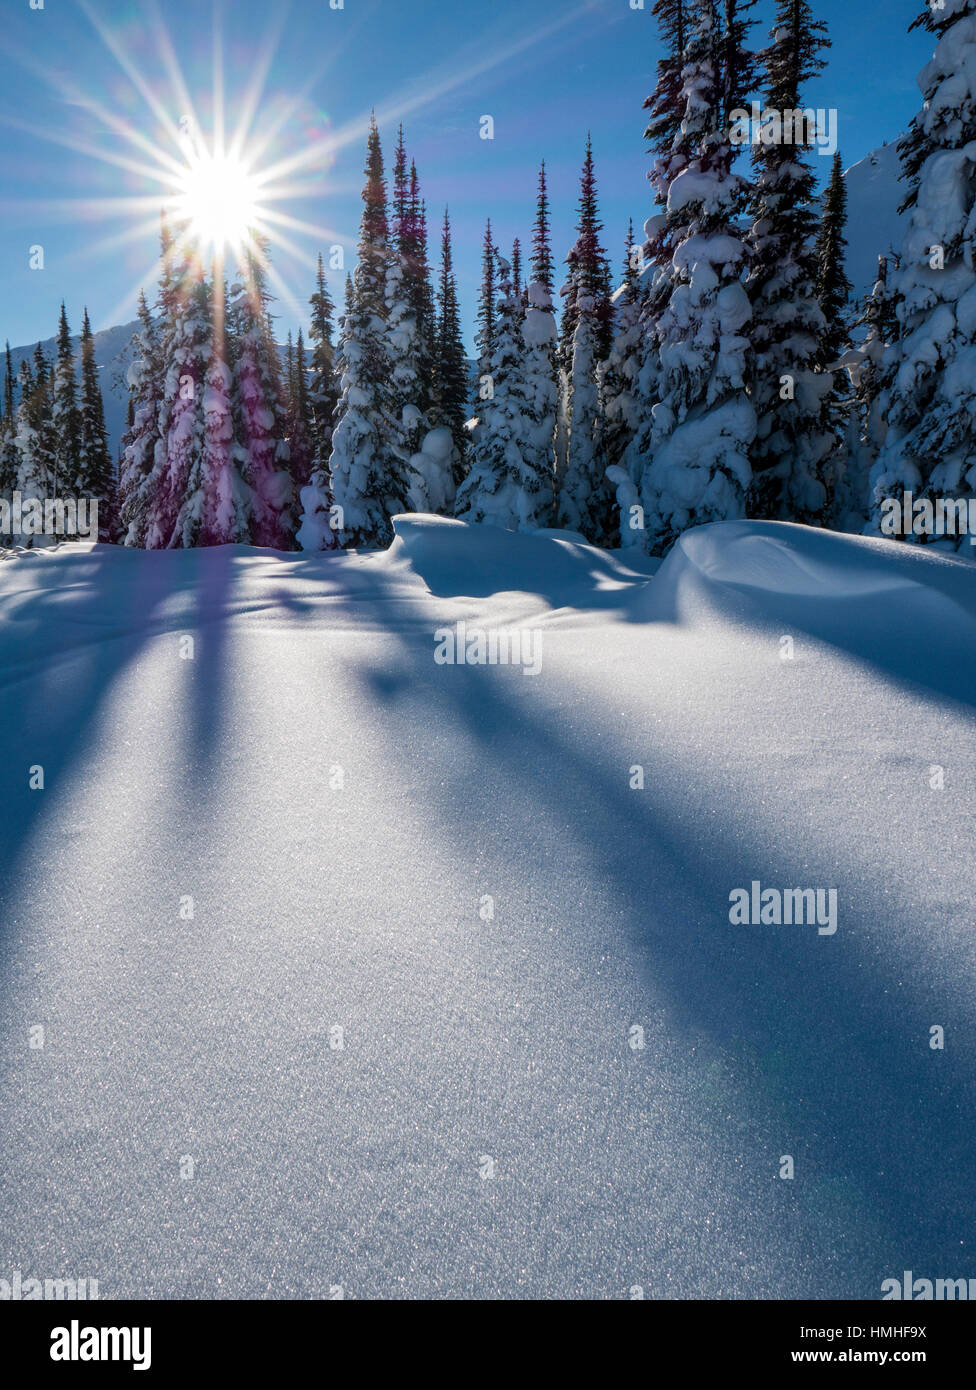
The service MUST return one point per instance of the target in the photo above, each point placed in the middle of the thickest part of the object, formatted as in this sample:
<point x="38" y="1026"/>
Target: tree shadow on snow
<point x="838" y="1043"/>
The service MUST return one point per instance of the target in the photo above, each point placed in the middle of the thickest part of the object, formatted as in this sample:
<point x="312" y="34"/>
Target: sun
<point x="218" y="197"/>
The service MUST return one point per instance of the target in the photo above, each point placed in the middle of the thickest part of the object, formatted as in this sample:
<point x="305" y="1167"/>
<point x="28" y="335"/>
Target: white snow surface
<point x="509" y="1039"/>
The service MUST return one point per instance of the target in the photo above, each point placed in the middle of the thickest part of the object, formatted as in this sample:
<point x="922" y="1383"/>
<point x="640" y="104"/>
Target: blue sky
<point x="76" y="76"/>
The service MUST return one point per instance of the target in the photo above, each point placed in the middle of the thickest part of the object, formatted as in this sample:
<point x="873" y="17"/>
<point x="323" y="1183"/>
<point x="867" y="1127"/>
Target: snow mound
<point x="786" y="559"/>
<point x="460" y="558"/>
<point x="904" y="610"/>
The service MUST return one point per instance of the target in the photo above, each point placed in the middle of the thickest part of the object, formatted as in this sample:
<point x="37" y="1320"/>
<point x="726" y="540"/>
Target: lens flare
<point x="219" y="198"/>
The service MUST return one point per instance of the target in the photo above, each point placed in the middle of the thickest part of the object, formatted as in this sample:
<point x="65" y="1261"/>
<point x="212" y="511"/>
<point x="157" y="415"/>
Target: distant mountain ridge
<point x="113" y="354"/>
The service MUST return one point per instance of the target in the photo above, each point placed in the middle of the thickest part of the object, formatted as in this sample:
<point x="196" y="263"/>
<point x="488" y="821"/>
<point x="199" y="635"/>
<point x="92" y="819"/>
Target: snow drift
<point x="425" y="975"/>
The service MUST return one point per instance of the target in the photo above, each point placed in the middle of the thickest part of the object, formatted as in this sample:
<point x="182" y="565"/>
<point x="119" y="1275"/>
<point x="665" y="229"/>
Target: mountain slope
<point x="874" y="226"/>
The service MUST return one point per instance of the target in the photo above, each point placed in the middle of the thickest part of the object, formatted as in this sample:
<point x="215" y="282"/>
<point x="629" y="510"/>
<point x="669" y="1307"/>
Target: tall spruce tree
<point x="316" y="531"/>
<point x="369" y="482"/>
<point x="262" y="451"/>
<point x="510" y="482"/>
<point x="32" y="480"/>
<point x="790" y="454"/>
<point x="588" y="274"/>
<point x="833" y="287"/>
<point x="223" y="500"/>
<point x="96" y="472"/>
<point x="543" y="269"/>
<point x="192" y="436"/>
<point x="588" y="270"/>
<point x="406" y="309"/>
<point x="517" y="286"/>
<point x="486" y="303"/>
<point x="617" y="377"/>
<point x="8" y="385"/>
<point x="424" y="289"/>
<point x="833" y="294"/>
<point x="867" y="423"/>
<point x="35" y="437"/>
<point x="323" y="387"/>
<point x="145" y="381"/>
<point x="636" y="352"/>
<point x="65" y="415"/>
<point x="451" y="371"/>
<point x="181" y="339"/>
<point x="297" y="418"/>
<point x="40" y="461"/>
<point x="631" y="268"/>
<point x="9" y="453"/>
<point x="697" y="441"/>
<point x="303" y="405"/>
<point x="583" y="503"/>
<point x="186" y="347"/>
<point x="401" y="192"/>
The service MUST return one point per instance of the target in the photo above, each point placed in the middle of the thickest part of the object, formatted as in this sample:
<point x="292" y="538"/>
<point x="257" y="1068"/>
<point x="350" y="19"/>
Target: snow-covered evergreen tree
<point x="543" y="269"/>
<point x="790" y="454"/>
<point x="510" y="482"/>
<point x="369" y="480"/>
<point x="409" y="349"/>
<point x="300" y="439"/>
<point x="296" y="413"/>
<point x="186" y="352"/>
<point x="192" y="431"/>
<point x="833" y="294"/>
<point x="316" y="530"/>
<point x="422" y="290"/>
<point x="65" y="416"/>
<point x="261" y="429"/>
<point x="409" y="243"/>
<point x="450" y="407"/>
<point x="96" y="473"/>
<point x="697" y="441"/>
<point x="486" y="303"/>
<point x="10" y="461"/>
<point x="226" y="516"/>
<point x="617" y="377"/>
<point x="588" y="271"/>
<point x="636" y="355"/>
<point x="323" y="386"/>
<point x="34" y="436"/>
<point x="930" y="368"/>
<point x="866" y="425"/>
<point x="833" y="287"/>
<point x="145" y="380"/>
<point x="584" y="501"/>
<point x="517" y="286"/>
<point x="588" y="274"/>
<point x="404" y="352"/>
